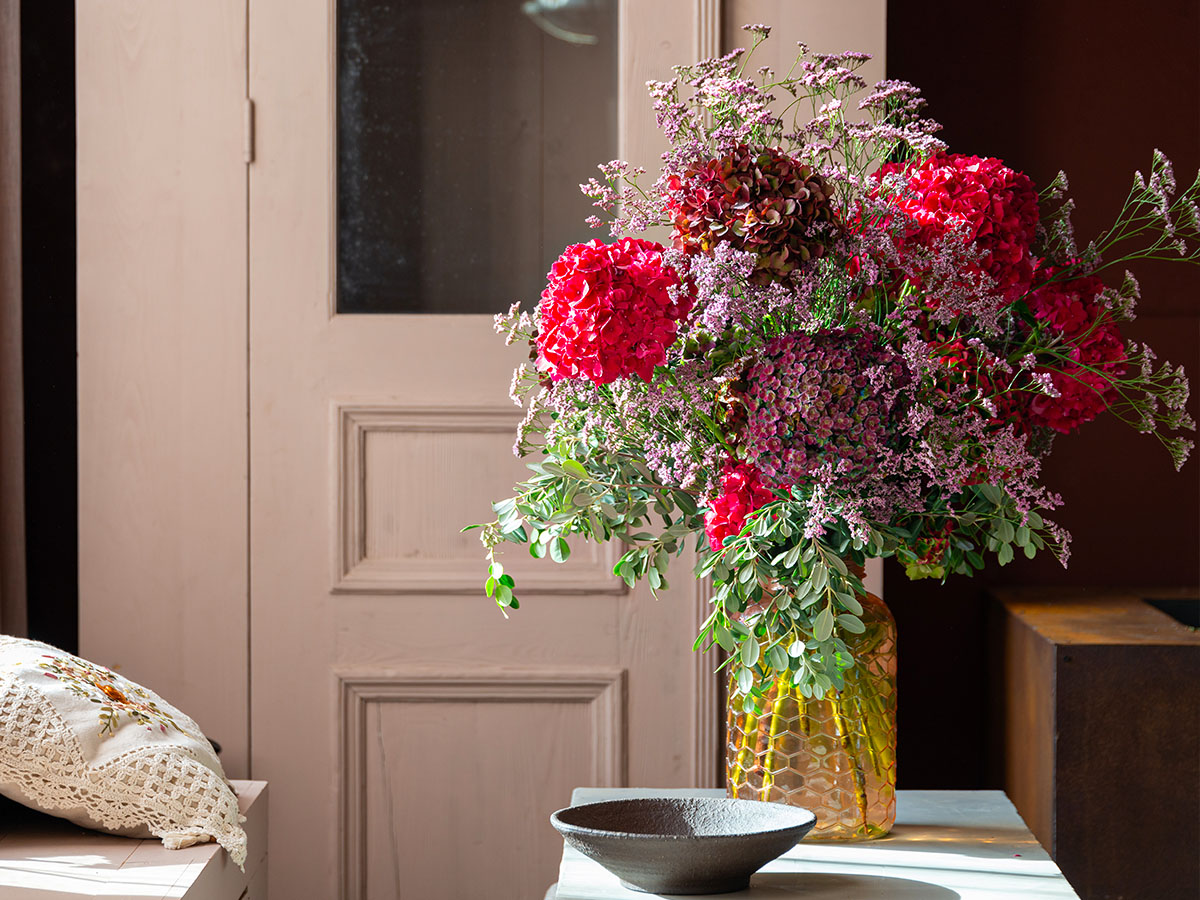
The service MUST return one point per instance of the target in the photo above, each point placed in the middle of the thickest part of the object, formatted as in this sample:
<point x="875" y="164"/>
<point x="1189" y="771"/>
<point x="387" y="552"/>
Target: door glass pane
<point x="464" y="128"/>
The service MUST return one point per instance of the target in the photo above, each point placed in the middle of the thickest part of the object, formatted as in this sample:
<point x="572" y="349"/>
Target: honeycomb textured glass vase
<point x="835" y="755"/>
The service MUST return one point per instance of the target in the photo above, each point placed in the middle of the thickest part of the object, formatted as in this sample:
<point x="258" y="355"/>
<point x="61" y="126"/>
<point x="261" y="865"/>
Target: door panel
<point x="532" y="730"/>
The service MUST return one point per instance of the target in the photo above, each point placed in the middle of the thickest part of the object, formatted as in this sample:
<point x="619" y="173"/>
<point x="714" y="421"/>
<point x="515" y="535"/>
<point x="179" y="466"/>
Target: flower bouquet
<point x="857" y="345"/>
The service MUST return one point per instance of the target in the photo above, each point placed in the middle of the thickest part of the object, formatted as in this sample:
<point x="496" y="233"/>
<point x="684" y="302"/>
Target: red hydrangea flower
<point x="1085" y="385"/>
<point x="609" y="310"/>
<point x="1067" y="306"/>
<point x="963" y="366"/>
<point x="995" y="204"/>
<point x="742" y="492"/>
<point x="1097" y="356"/>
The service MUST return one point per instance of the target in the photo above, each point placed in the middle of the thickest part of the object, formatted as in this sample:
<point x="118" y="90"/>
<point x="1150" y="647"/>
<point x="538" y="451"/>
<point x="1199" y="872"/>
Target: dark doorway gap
<point x="48" y="311"/>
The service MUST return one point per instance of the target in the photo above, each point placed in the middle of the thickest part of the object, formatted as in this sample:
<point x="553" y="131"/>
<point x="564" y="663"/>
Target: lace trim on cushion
<point x="170" y="792"/>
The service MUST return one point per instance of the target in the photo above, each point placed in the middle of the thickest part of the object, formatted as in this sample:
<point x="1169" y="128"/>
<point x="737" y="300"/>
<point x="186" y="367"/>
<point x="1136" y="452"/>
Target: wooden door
<point x="416" y="740"/>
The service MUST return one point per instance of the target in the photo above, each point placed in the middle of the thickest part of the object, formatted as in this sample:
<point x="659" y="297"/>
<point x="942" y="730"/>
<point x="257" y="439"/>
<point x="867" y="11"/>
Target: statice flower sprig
<point x="1154" y="223"/>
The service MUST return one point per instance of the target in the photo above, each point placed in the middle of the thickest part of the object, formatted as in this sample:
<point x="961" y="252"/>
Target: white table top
<point x="947" y="845"/>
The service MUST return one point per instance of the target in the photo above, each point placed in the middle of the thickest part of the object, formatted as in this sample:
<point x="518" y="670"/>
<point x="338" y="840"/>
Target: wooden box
<point x="1101" y="736"/>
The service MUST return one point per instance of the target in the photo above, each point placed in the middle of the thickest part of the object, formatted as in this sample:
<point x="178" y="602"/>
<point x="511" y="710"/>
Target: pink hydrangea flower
<point x="609" y="310"/>
<point x="742" y="492"/>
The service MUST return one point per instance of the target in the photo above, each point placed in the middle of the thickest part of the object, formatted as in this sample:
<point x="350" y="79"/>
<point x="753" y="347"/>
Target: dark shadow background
<point x="1090" y="88"/>
<point x="48" y="311"/>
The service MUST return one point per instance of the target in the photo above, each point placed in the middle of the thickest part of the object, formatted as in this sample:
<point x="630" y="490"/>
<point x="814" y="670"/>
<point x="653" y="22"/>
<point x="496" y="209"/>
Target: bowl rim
<point x="568" y="828"/>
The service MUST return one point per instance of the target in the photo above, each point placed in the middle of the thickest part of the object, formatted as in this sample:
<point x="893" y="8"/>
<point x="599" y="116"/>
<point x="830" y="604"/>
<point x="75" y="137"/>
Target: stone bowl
<point x="683" y="845"/>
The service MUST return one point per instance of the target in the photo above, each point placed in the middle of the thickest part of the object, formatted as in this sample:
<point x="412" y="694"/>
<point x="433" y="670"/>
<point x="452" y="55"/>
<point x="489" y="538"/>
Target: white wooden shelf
<point x="46" y="858"/>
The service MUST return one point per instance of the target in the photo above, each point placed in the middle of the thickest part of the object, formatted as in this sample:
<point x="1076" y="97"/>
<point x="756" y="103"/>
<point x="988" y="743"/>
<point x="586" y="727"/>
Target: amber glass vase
<point x="835" y="755"/>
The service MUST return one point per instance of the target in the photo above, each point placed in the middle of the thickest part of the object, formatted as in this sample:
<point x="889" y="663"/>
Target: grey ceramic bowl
<point x="683" y="845"/>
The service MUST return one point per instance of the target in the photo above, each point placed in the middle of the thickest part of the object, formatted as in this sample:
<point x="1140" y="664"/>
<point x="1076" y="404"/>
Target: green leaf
<point x="820" y="577"/>
<point x="1005" y="554"/>
<point x="823" y="624"/>
<point x="750" y="652"/>
<point x="1030" y="551"/>
<point x="654" y="578"/>
<point x="792" y="557"/>
<point x="574" y="468"/>
<point x="506" y="580"/>
<point x="1035" y="521"/>
<point x="518" y="536"/>
<point x="852" y="624"/>
<point x="777" y="658"/>
<point x="1005" y="531"/>
<point x="537" y="549"/>
<point x="489" y="586"/>
<point x="685" y="502"/>
<point x="724" y="638"/>
<point x="796" y="649"/>
<point x="850" y="604"/>
<point x="745" y="680"/>
<point x="560" y="550"/>
<point x="594" y="525"/>
<point x="1022" y="535"/>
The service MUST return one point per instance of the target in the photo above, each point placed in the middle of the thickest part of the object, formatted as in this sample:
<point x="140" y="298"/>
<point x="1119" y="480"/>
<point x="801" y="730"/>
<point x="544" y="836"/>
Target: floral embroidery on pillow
<point x="114" y="694"/>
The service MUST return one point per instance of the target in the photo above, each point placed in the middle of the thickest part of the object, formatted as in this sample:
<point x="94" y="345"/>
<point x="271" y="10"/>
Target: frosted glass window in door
<point x="464" y="128"/>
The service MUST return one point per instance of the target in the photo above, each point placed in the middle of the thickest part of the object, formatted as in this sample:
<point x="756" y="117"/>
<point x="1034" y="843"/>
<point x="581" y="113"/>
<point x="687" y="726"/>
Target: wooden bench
<point x="46" y="858"/>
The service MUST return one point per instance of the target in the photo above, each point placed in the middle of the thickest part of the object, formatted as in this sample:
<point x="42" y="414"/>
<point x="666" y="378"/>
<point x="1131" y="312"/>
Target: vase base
<point x="849" y="835"/>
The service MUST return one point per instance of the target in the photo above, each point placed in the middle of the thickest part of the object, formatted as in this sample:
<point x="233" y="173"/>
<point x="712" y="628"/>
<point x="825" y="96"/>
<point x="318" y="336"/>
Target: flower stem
<point x="742" y="767"/>
<point x="856" y="769"/>
<point x="782" y="694"/>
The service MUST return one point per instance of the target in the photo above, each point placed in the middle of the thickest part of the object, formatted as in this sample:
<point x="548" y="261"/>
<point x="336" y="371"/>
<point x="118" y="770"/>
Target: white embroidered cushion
<point x="81" y="742"/>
